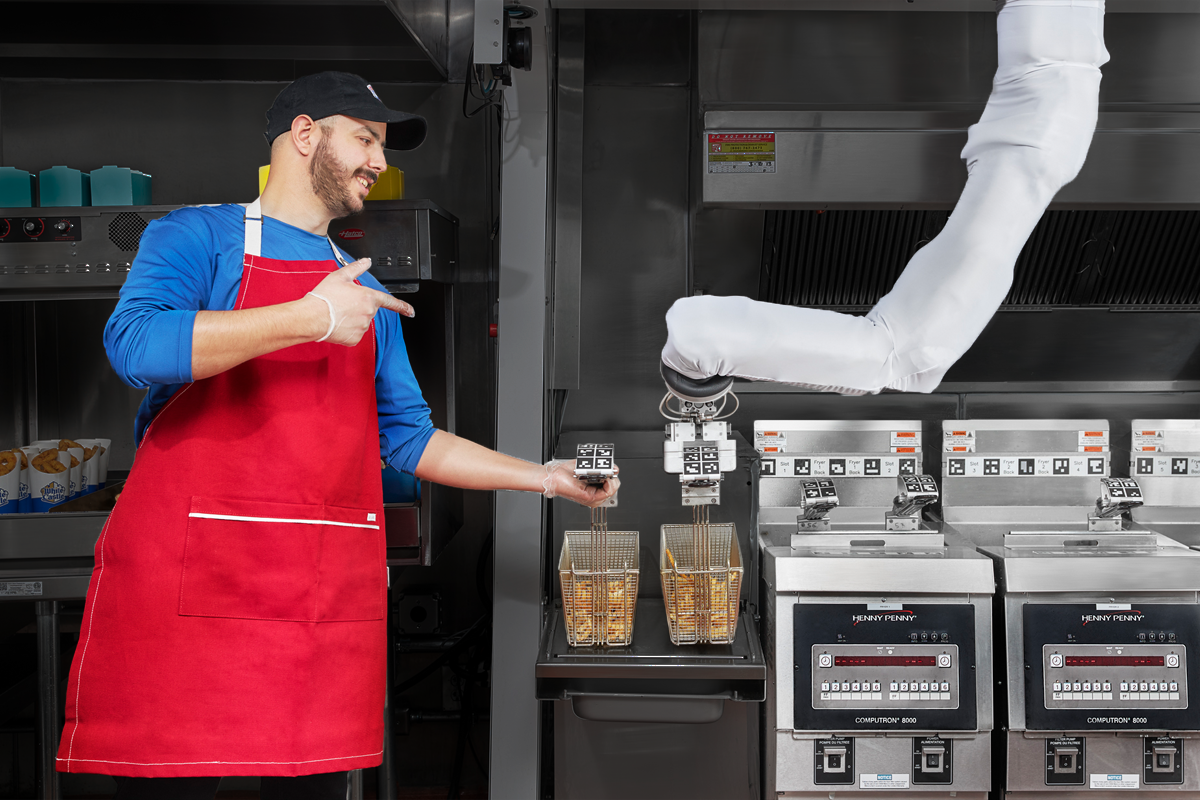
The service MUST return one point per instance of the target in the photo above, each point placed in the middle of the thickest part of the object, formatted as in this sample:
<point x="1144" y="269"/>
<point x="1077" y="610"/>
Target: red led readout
<point x="1114" y="661"/>
<point x="885" y="661"/>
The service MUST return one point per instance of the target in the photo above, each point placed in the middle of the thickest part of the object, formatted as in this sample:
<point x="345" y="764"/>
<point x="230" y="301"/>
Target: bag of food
<point x="25" y="501"/>
<point x="74" y="463"/>
<point x="91" y="465"/>
<point x="10" y="481"/>
<point x="102" y="474"/>
<point x="49" y="479"/>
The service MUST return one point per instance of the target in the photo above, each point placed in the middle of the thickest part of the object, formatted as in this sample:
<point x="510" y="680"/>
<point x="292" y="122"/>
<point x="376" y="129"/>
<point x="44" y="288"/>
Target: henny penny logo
<point x="892" y="616"/>
<point x="1132" y="615"/>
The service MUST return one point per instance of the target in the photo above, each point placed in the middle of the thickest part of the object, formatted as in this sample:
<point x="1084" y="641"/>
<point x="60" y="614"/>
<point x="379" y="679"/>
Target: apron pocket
<point x="246" y="559"/>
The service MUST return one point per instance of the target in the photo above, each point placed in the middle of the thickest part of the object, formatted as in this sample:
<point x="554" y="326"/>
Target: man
<point x="1031" y="140"/>
<point x="235" y="617"/>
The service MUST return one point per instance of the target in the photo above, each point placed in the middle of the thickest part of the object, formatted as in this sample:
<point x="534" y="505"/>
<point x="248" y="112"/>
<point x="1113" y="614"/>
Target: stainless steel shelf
<point x="48" y="556"/>
<point x="651" y="665"/>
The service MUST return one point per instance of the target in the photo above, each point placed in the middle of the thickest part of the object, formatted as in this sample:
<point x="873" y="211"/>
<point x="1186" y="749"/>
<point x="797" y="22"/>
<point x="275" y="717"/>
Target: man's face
<point x="347" y="160"/>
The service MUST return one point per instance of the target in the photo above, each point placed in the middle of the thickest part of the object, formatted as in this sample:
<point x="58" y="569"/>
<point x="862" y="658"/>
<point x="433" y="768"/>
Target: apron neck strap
<point x="253" y="246"/>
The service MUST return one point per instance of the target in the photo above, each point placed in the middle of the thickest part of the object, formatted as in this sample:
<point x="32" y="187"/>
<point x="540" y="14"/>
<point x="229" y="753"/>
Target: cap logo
<point x="372" y="91"/>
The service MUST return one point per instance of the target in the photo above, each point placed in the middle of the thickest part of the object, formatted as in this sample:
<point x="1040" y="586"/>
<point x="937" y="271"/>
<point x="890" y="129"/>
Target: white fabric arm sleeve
<point x="1031" y="140"/>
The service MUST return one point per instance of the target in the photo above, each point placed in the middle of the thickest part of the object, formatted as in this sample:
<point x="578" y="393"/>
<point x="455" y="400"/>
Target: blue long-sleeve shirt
<point x="191" y="260"/>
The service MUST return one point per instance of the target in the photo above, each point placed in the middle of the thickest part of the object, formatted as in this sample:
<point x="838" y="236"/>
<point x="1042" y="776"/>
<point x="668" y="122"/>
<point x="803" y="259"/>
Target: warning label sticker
<point x="770" y="441"/>
<point x="958" y="441"/>
<point x="910" y="441"/>
<point x="20" y="588"/>
<point x="741" y="152"/>
<point x="883" y="780"/>
<point x="1148" y="441"/>
<point x="1112" y="781"/>
<point x="1093" y="441"/>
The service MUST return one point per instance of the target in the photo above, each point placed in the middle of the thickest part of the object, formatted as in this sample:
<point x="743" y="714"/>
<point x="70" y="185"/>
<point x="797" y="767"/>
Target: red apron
<point x="235" y="617"/>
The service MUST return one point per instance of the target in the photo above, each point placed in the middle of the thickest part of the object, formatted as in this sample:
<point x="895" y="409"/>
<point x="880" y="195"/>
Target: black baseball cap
<point x="328" y="93"/>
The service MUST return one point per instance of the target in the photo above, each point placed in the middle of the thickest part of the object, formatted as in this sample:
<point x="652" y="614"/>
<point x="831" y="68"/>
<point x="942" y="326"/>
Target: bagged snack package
<point x="74" y="462"/>
<point x="49" y="479"/>
<point x="10" y="481"/>
<point x="27" y="468"/>
<point x="91" y="465"/>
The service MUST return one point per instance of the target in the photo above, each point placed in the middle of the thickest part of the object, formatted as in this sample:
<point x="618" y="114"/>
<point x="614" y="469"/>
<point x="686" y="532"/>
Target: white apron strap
<point x="253" y="243"/>
<point x="253" y="219"/>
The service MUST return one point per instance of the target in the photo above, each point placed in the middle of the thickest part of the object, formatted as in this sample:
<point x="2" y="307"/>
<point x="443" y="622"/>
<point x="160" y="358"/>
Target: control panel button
<point x="875" y="686"/>
<point x="944" y="660"/>
<point x="824" y="686"/>
<point x="894" y="687"/>
<point x="1056" y="660"/>
<point x="945" y="686"/>
<point x="1058" y="686"/>
<point x="825" y="660"/>
<point x="1172" y="660"/>
<point x="1107" y="686"/>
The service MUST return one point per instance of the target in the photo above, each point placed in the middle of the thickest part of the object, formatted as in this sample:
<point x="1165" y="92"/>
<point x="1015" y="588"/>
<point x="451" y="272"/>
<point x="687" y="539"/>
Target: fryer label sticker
<point x="1177" y="466"/>
<point x="741" y="152"/>
<point x="845" y="467"/>
<point x="1115" y="781"/>
<point x="20" y="588"/>
<point x="1093" y="441"/>
<point x="883" y="780"/>
<point x="1016" y="466"/>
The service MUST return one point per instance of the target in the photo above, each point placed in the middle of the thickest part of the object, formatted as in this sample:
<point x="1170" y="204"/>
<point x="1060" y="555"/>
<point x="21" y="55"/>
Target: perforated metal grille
<point x="125" y="231"/>
<point x="850" y="258"/>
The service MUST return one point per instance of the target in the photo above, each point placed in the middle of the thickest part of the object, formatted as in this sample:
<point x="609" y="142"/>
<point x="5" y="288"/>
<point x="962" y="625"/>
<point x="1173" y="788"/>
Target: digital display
<point x="886" y="661"/>
<point x="1114" y="661"/>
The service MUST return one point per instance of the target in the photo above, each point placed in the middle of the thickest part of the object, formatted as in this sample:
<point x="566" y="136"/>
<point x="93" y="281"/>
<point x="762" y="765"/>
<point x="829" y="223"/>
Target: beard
<point x="333" y="182"/>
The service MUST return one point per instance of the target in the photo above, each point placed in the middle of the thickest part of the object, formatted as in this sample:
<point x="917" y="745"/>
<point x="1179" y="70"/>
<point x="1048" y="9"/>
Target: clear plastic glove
<point x="348" y="307"/>
<point x="561" y="482"/>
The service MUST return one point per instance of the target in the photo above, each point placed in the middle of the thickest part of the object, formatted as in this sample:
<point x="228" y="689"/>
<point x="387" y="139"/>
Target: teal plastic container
<point x="63" y="186"/>
<point x="16" y="188"/>
<point x="120" y="186"/>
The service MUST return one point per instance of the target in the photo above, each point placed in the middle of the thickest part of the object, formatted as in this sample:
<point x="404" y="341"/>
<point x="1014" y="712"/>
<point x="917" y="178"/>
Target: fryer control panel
<point x="885" y="676"/>
<point x="1115" y="676"/>
<point x="898" y="667"/>
<point x="1110" y="666"/>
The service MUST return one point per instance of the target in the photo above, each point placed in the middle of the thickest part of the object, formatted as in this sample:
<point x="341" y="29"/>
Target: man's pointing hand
<point x="348" y="308"/>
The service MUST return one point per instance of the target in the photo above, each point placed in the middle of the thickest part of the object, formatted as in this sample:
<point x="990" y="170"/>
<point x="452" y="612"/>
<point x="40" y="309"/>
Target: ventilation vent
<point x="125" y="231"/>
<point x="850" y="259"/>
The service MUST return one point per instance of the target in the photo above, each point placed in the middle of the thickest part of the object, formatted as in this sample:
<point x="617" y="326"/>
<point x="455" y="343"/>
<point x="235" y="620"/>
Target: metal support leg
<point x="386" y="780"/>
<point x="356" y="784"/>
<point x="48" y="678"/>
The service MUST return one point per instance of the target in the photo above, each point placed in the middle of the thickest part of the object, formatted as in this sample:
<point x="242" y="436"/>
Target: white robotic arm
<point x="1031" y="140"/>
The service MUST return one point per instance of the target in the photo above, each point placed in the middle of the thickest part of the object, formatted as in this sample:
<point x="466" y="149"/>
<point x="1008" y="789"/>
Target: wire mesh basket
<point x="701" y="566"/>
<point x="599" y="576"/>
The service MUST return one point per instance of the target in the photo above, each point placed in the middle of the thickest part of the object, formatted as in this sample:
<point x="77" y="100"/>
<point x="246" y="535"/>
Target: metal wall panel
<point x="517" y="610"/>
<point x="832" y="60"/>
<point x="568" y="196"/>
<point x="635" y="218"/>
